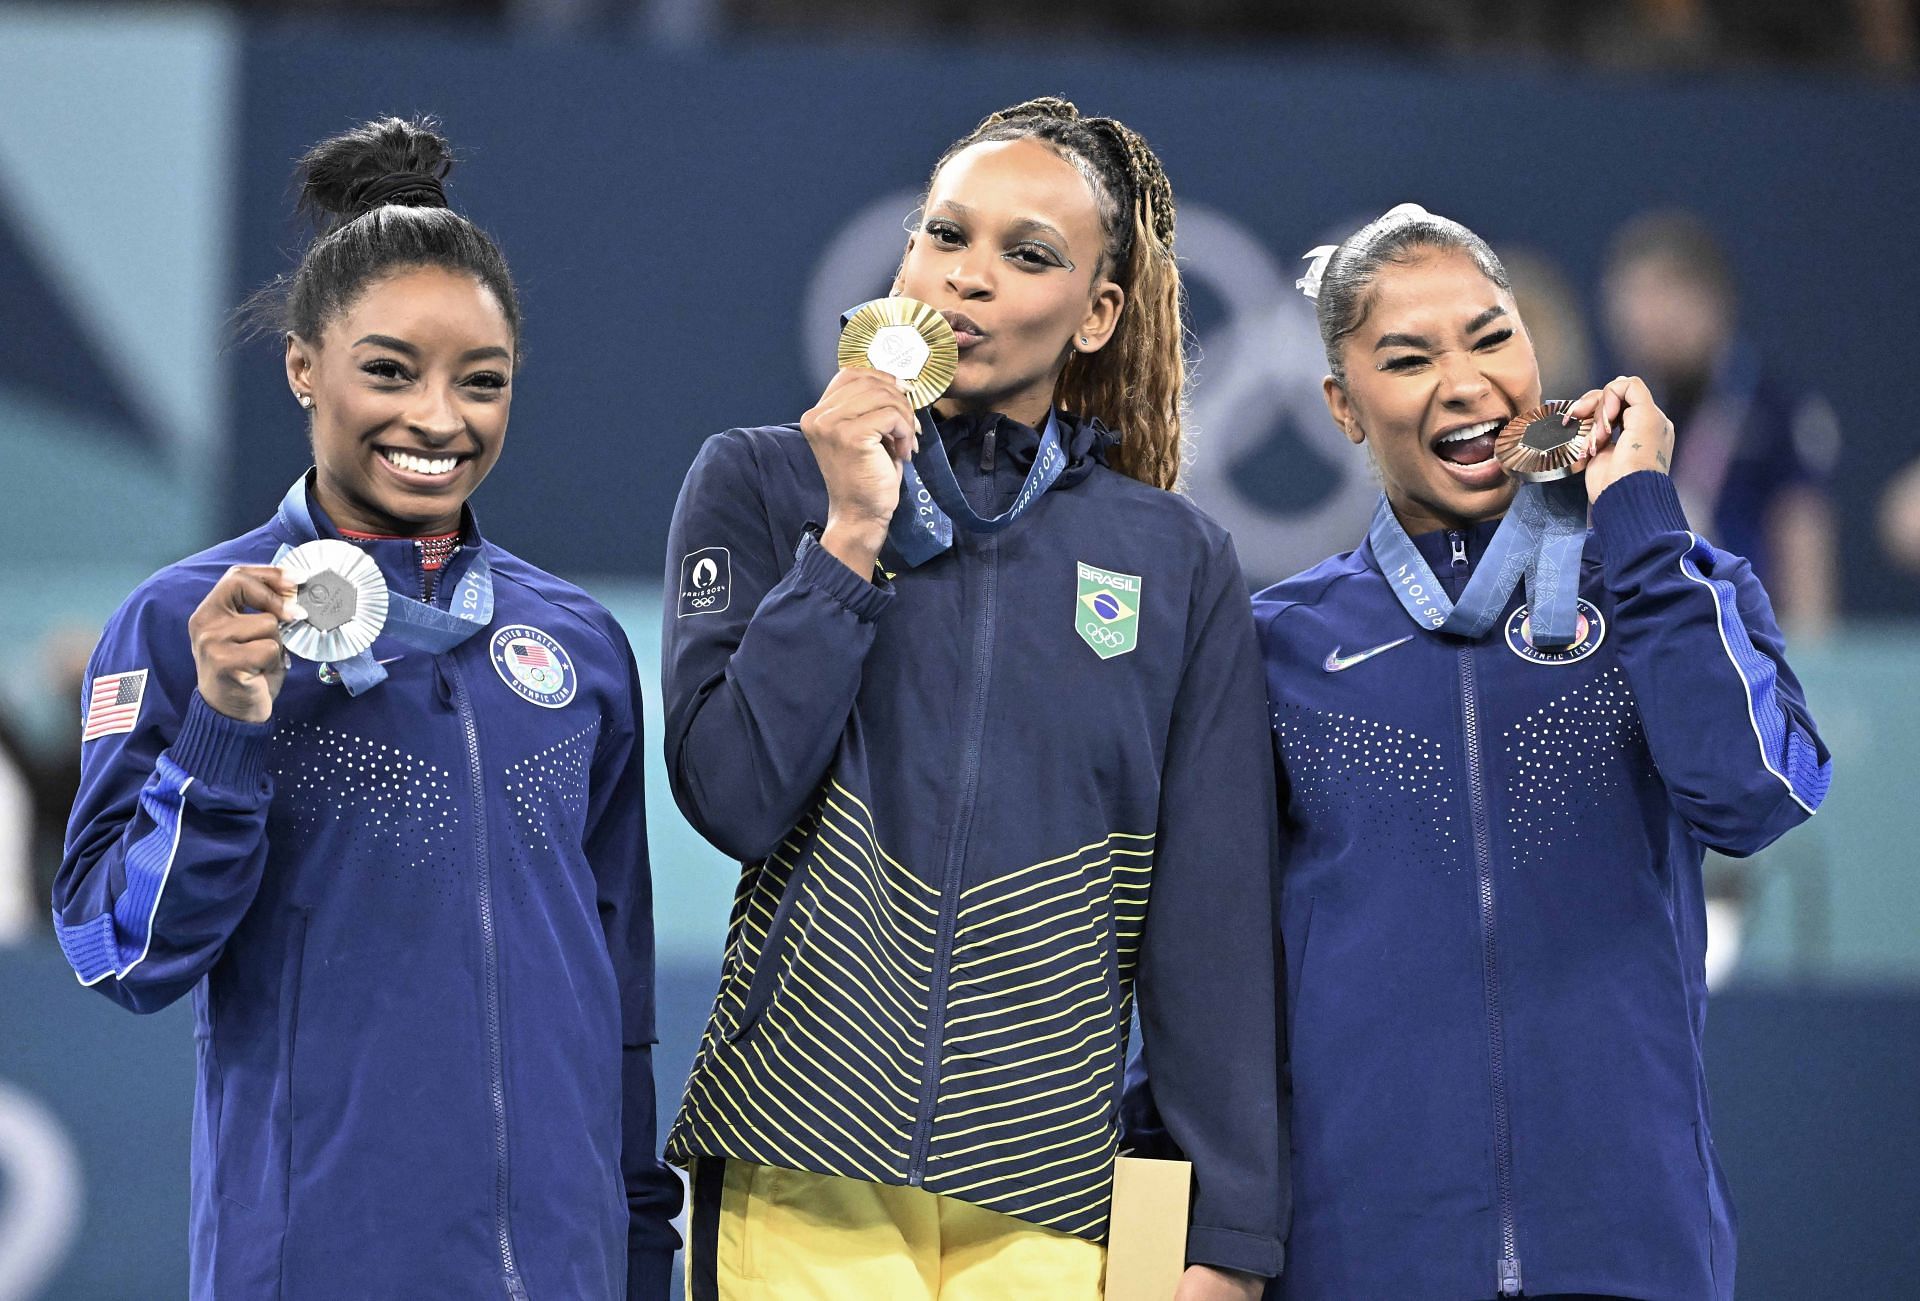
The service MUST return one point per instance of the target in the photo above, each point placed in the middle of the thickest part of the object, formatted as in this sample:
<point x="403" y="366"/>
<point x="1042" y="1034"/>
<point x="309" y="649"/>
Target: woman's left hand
<point x="1629" y="432"/>
<point x="1205" y="1283"/>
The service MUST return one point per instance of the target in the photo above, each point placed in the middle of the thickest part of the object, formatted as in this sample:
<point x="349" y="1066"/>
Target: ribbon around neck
<point x="931" y="499"/>
<point x="415" y="623"/>
<point x="1540" y="540"/>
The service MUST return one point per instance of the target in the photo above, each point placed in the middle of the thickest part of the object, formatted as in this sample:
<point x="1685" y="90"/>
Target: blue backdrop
<point x="687" y="227"/>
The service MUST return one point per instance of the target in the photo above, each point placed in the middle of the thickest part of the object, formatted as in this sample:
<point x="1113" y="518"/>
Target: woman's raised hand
<point x="236" y="641"/>
<point x="1630" y="432"/>
<point x="863" y="433"/>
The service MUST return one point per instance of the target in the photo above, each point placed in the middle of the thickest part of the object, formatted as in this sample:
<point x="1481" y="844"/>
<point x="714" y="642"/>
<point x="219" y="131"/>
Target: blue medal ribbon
<point x="931" y="498"/>
<point x="415" y="623"/>
<point x="1540" y="540"/>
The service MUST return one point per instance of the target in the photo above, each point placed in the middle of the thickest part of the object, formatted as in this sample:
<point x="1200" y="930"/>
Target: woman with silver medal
<point x="367" y="786"/>
<point x="974" y="699"/>
<point x="1504" y="743"/>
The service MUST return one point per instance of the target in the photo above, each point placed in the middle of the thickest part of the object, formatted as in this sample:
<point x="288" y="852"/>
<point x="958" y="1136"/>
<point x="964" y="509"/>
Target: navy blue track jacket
<point x="417" y="926"/>
<point x="978" y="806"/>
<point x="1493" y="916"/>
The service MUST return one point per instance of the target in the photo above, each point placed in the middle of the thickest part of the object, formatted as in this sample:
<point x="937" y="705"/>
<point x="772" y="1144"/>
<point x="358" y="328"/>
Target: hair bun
<point x="389" y="160"/>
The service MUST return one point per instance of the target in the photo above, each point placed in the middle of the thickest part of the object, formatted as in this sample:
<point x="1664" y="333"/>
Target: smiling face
<point x="411" y="385"/>
<point x="1009" y="249"/>
<point x="1437" y="364"/>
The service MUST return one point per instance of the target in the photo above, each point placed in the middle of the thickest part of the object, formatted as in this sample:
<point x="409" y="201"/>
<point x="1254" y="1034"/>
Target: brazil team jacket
<point x="417" y="929"/>
<point x="980" y="804"/>
<point x="1493" y="919"/>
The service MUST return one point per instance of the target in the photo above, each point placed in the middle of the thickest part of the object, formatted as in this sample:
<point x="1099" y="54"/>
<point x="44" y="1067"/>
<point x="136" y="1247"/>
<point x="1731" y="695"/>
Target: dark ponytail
<point x="377" y="199"/>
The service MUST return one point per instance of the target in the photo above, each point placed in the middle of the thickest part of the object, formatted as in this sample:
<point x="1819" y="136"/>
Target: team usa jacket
<point x="416" y="925"/>
<point x="980" y="805"/>
<point x="1493" y="918"/>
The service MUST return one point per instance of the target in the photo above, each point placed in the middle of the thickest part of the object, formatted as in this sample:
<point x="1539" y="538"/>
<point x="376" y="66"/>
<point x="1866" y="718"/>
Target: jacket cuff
<point x="649" y="1274"/>
<point x="1231" y="1249"/>
<point x="816" y="567"/>
<point x="1634" y="508"/>
<point x="222" y="752"/>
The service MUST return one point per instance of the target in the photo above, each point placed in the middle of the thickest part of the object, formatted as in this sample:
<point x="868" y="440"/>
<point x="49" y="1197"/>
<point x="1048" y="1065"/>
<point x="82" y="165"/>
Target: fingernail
<point x="292" y="611"/>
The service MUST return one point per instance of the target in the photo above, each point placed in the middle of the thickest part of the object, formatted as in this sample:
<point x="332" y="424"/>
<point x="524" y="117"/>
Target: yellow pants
<point x="758" y="1233"/>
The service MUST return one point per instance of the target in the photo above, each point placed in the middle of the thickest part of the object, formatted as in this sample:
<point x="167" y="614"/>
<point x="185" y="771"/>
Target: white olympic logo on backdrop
<point x="1257" y="370"/>
<point x="40" y="1194"/>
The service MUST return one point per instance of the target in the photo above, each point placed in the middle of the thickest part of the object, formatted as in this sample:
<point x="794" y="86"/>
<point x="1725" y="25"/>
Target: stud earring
<point x="305" y="400"/>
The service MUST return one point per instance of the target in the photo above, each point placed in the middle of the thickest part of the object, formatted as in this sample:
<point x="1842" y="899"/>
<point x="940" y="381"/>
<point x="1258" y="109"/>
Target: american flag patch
<point x="532" y="654"/>
<point x="113" y="704"/>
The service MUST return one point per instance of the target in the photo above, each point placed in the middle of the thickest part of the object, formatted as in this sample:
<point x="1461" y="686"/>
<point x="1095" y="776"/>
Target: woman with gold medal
<point x="973" y="696"/>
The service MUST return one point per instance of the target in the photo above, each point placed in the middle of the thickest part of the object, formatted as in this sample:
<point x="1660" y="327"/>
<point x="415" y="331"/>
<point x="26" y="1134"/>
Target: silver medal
<point x="344" y="597"/>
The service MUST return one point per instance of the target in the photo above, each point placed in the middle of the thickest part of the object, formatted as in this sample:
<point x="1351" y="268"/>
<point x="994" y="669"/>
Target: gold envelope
<point x="1147" y="1237"/>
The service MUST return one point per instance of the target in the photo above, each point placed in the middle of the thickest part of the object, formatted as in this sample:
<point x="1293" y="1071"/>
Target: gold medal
<point x="1536" y="447"/>
<point x="906" y="339"/>
<point x="344" y="596"/>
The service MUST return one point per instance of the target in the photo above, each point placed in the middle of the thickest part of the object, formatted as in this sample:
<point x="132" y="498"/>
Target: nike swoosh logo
<point x="1338" y="663"/>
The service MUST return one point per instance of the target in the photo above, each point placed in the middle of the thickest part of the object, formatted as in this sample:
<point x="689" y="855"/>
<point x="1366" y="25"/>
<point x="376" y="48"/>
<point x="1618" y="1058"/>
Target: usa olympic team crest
<point x="1590" y="630"/>
<point x="535" y="666"/>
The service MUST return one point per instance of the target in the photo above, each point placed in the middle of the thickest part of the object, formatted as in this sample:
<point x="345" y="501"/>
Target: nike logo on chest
<point x="1338" y="663"/>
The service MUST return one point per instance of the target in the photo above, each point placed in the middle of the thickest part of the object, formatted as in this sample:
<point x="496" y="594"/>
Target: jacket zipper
<point x="1507" y="1268"/>
<point x="490" y="962"/>
<point x="987" y="570"/>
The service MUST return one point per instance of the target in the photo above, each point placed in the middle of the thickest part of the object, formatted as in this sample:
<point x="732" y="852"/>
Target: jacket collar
<point x="1085" y="440"/>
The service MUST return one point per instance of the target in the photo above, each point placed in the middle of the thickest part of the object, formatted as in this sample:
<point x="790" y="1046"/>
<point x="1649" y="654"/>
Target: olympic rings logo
<point x="1104" y="635"/>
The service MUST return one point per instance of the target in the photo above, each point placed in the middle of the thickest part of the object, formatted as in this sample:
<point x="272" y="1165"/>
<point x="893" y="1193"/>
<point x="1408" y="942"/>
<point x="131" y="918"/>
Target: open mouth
<point x="419" y="467"/>
<point x="1471" y="445"/>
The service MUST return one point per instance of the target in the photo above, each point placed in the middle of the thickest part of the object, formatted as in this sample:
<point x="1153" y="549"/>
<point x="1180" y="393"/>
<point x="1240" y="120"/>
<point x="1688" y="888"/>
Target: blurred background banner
<point x="691" y="191"/>
<point x="687" y="229"/>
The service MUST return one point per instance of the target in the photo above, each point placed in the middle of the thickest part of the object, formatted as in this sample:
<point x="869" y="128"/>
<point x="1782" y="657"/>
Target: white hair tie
<point x="1400" y="212"/>
<point x="1309" y="284"/>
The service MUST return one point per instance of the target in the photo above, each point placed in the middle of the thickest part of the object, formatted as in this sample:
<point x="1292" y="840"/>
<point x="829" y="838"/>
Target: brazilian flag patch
<point x="1107" y="612"/>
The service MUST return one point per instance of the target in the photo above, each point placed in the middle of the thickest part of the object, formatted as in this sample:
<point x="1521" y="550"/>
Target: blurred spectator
<point x="37" y="786"/>
<point x="1900" y="518"/>
<point x="1753" y="454"/>
<point x="1555" y="319"/>
<point x="17" y="835"/>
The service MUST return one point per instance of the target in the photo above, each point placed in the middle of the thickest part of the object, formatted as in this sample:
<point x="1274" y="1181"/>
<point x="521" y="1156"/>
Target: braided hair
<point x="378" y="203"/>
<point x="1137" y="384"/>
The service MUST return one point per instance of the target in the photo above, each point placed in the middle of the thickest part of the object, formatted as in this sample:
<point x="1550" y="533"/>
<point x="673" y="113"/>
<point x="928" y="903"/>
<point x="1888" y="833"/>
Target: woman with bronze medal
<point x="974" y="698"/>
<point x="369" y="787"/>
<point x="1504" y="742"/>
